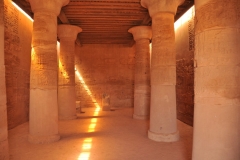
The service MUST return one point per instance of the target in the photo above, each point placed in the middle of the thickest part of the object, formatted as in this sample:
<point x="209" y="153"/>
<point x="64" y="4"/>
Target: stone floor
<point x="101" y="135"/>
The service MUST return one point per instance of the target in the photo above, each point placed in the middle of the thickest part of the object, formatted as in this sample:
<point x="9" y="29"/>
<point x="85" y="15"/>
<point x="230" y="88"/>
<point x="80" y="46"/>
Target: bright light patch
<point x="63" y="71"/>
<point x="23" y="12"/>
<point x="88" y="140"/>
<point x="186" y="17"/>
<point x="87" y="146"/>
<point x="86" y="88"/>
<point x="84" y="156"/>
<point x="33" y="54"/>
<point x="94" y="120"/>
<point x="92" y="126"/>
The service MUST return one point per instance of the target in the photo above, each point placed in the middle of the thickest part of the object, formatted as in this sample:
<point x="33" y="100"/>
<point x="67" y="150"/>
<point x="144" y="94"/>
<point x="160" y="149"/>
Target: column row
<point x="51" y="87"/>
<point x="217" y="111"/>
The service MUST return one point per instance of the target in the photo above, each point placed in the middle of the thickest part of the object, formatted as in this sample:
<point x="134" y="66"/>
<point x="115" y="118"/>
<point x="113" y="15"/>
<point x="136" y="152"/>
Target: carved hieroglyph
<point x="142" y="36"/>
<point x="217" y="80"/>
<point x="66" y="71"/>
<point x="163" y="125"/>
<point x="184" y="41"/>
<point x="43" y="122"/>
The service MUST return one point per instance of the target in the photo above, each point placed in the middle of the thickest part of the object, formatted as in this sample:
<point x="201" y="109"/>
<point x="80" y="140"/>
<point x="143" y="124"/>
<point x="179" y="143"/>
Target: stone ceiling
<point x="105" y="21"/>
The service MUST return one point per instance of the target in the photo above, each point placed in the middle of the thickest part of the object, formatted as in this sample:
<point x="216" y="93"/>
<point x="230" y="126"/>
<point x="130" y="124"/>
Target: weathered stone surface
<point x="105" y="68"/>
<point x="53" y="6"/>
<point x="66" y="71"/>
<point x="106" y="102"/>
<point x="163" y="71"/>
<point x="4" y="155"/>
<point x="142" y="36"/>
<point x="156" y="6"/>
<point x="17" y="49"/>
<point x="217" y="74"/>
<point x="185" y="38"/>
<point x="43" y="121"/>
<point x="163" y="80"/>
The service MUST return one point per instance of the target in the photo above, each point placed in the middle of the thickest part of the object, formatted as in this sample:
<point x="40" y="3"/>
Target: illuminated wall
<point x="105" y="69"/>
<point x="17" y="49"/>
<point x="184" y="29"/>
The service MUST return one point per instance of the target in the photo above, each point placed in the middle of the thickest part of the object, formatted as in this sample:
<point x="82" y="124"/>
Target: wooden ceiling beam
<point x="76" y="14"/>
<point x="104" y="3"/>
<point x="108" y="9"/>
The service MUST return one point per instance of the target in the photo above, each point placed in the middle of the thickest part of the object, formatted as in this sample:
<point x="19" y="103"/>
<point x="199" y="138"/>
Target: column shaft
<point x="163" y="125"/>
<point x="66" y="80"/>
<point x="217" y="80"/>
<point x="66" y="72"/>
<point x="43" y="122"/>
<point x="142" y="80"/>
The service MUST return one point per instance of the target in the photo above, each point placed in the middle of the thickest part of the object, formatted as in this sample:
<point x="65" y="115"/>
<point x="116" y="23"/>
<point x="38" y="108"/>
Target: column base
<point x="172" y="137"/>
<point x="68" y="118"/>
<point x="43" y="139"/>
<point x="143" y="117"/>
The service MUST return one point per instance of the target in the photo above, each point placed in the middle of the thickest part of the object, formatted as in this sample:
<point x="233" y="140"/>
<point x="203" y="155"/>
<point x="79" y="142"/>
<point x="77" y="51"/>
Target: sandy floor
<point x="107" y="135"/>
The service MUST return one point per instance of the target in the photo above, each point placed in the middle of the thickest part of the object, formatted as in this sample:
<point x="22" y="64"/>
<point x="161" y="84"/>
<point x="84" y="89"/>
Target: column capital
<point x="141" y="32"/>
<point x="49" y="5"/>
<point x="156" y="6"/>
<point x="68" y="31"/>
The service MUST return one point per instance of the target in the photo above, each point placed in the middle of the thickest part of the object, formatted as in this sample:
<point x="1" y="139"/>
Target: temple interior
<point x="120" y="80"/>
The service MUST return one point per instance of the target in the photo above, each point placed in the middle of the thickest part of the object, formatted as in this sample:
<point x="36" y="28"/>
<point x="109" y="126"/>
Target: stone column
<point x="66" y="71"/>
<point x="43" y="120"/>
<point x="3" y="104"/>
<point x="217" y="80"/>
<point x="163" y="123"/>
<point x="142" y="36"/>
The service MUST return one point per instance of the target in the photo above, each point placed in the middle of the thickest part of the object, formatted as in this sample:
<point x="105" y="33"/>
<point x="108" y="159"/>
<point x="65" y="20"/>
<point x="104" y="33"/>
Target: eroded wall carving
<point x="17" y="46"/>
<point x="185" y="70"/>
<point x="105" y="69"/>
<point x="4" y="153"/>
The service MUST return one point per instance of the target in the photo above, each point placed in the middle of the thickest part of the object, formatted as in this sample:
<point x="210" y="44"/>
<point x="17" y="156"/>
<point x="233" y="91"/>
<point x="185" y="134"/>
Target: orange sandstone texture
<point x="17" y="51"/>
<point x="3" y="107"/>
<point x="66" y="71"/>
<point x="142" y="36"/>
<point x="43" y="120"/>
<point x="184" y="38"/>
<point x="105" y="69"/>
<point x="217" y="80"/>
<point x="163" y="126"/>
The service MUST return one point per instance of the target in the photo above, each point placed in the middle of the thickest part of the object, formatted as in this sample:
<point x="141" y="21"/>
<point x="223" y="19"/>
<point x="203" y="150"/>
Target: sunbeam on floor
<point x="87" y="143"/>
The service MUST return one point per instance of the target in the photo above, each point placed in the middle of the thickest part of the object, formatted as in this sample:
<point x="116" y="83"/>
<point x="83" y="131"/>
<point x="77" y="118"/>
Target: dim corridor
<point x="101" y="135"/>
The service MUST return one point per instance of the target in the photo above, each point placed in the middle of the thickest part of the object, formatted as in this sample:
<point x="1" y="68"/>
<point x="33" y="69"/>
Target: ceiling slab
<point x="105" y="21"/>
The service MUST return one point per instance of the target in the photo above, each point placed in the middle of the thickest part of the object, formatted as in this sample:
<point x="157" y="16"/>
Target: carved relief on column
<point x="217" y="85"/>
<point x="43" y="121"/>
<point x="163" y="125"/>
<point x="66" y="76"/>
<point x="142" y="36"/>
<point x="44" y="57"/>
<point x="67" y="35"/>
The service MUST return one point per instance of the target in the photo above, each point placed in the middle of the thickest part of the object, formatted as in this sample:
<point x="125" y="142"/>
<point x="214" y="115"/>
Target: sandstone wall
<point x="17" y="45"/>
<point x="3" y="106"/>
<point x="105" y="69"/>
<point x="185" y="67"/>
